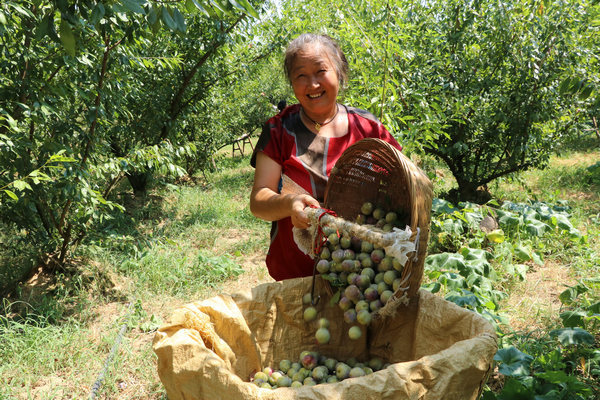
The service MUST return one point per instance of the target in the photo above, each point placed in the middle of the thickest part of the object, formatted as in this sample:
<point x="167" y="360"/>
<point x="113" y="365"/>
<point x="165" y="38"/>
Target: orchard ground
<point x="206" y="219"/>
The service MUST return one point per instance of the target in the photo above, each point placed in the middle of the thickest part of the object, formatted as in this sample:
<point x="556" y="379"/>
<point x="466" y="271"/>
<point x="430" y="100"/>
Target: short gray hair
<point x="326" y="42"/>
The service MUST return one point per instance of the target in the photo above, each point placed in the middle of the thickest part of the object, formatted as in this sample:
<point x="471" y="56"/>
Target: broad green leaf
<point x="67" y="37"/>
<point x="168" y="19"/>
<point x="248" y="7"/>
<point x="522" y="253"/>
<point x="21" y="185"/>
<point x="179" y="20"/>
<point x="43" y="27"/>
<point x="97" y="13"/>
<point x="568" y="296"/>
<point x="442" y="206"/>
<point x="2" y="18"/>
<point x="536" y="228"/>
<point x="11" y="194"/>
<point x="570" y="336"/>
<point x="517" y="390"/>
<point x="446" y="261"/>
<point x="495" y="236"/>
<point x="133" y="6"/>
<point x="433" y="287"/>
<point x="513" y="362"/>
<point x="572" y="319"/>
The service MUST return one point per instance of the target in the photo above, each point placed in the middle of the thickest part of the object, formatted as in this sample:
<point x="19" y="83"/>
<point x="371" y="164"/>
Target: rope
<point x="108" y="361"/>
<point x="320" y="238"/>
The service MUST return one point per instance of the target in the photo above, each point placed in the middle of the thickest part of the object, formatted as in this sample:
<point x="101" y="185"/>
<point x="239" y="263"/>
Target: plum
<point x="375" y="305"/>
<point x="262" y="376"/>
<point x="284" y="381"/>
<point x="309" y="381"/>
<point x="309" y="361"/>
<point x="349" y="254"/>
<point x="285" y="365"/>
<point x="390" y="276"/>
<point x="338" y="255"/>
<point x="353" y="293"/>
<point x="345" y="242"/>
<point x="386" y="264"/>
<point x="350" y="316"/>
<point x="379" y="213"/>
<point x="367" y="263"/>
<point x="371" y="294"/>
<point x="367" y="208"/>
<point x="323" y="323"/>
<point x="362" y="281"/>
<point x="385" y="296"/>
<point x="391" y="217"/>
<point x="330" y="363"/>
<point x="354" y="332"/>
<point x="345" y="303"/>
<point x="370" y="272"/>
<point x="348" y="266"/>
<point x="333" y="238"/>
<point x="356" y="372"/>
<point x="361" y="305"/>
<point x="342" y="370"/>
<point x="319" y="373"/>
<point x="323" y="266"/>
<point x="377" y="255"/>
<point x="366" y="247"/>
<point x="322" y="335"/>
<point x="310" y="313"/>
<point x="375" y="363"/>
<point x="363" y="317"/>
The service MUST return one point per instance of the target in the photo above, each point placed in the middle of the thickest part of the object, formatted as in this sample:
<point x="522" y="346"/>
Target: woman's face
<point x="315" y="81"/>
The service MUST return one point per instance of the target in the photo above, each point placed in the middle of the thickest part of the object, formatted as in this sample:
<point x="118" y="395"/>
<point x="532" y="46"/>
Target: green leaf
<point x="513" y="362"/>
<point x="43" y="28"/>
<point x="11" y="194"/>
<point x="199" y="6"/>
<point x="522" y="253"/>
<point x="179" y="20"/>
<point x="21" y="185"/>
<point x="573" y="318"/>
<point x="133" y="6"/>
<point x="97" y="14"/>
<point x="2" y="18"/>
<point x="248" y="7"/>
<point x="568" y="296"/>
<point x="446" y="261"/>
<point x="67" y="37"/>
<point x="517" y="390"/>
<point x="570" y="336"/>
<point x="495" y="236"/>
<point x="168" y="19"/>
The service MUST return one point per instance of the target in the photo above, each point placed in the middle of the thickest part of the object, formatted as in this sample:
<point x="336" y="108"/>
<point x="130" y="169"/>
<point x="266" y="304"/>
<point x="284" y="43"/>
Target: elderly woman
<point x="299" y="146"/>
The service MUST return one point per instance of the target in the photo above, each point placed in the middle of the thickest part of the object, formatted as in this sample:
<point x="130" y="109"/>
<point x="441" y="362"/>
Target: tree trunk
<point x="139" y="182"/>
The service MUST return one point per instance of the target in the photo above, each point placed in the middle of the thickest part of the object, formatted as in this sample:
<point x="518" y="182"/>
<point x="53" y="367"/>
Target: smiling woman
<point x="299" y="146"/>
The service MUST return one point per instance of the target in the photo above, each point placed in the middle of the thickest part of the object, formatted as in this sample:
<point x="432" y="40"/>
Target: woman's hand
<point x="265" y="201"/>
<point x="298" y="204"/>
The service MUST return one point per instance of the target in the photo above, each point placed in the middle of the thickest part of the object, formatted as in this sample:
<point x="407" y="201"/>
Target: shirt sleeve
<point x="269" y="142"/>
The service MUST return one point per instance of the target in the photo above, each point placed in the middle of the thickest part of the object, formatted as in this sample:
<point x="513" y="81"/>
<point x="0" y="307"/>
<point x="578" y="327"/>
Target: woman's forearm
<point x="269" y="205"/>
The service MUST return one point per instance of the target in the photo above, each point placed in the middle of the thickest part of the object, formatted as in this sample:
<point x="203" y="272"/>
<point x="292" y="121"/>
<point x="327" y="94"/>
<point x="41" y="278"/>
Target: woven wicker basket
<point x="373" y="170"/>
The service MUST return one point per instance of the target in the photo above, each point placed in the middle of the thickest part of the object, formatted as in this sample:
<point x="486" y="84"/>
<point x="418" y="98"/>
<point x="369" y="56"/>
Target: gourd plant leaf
<point x="573" y="318"/>
<point x="573" y="336"/>
<point x="513" y="362"/>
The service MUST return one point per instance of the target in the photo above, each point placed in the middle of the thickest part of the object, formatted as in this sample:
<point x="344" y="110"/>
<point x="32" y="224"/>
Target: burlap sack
<point x="210" y="348"/>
